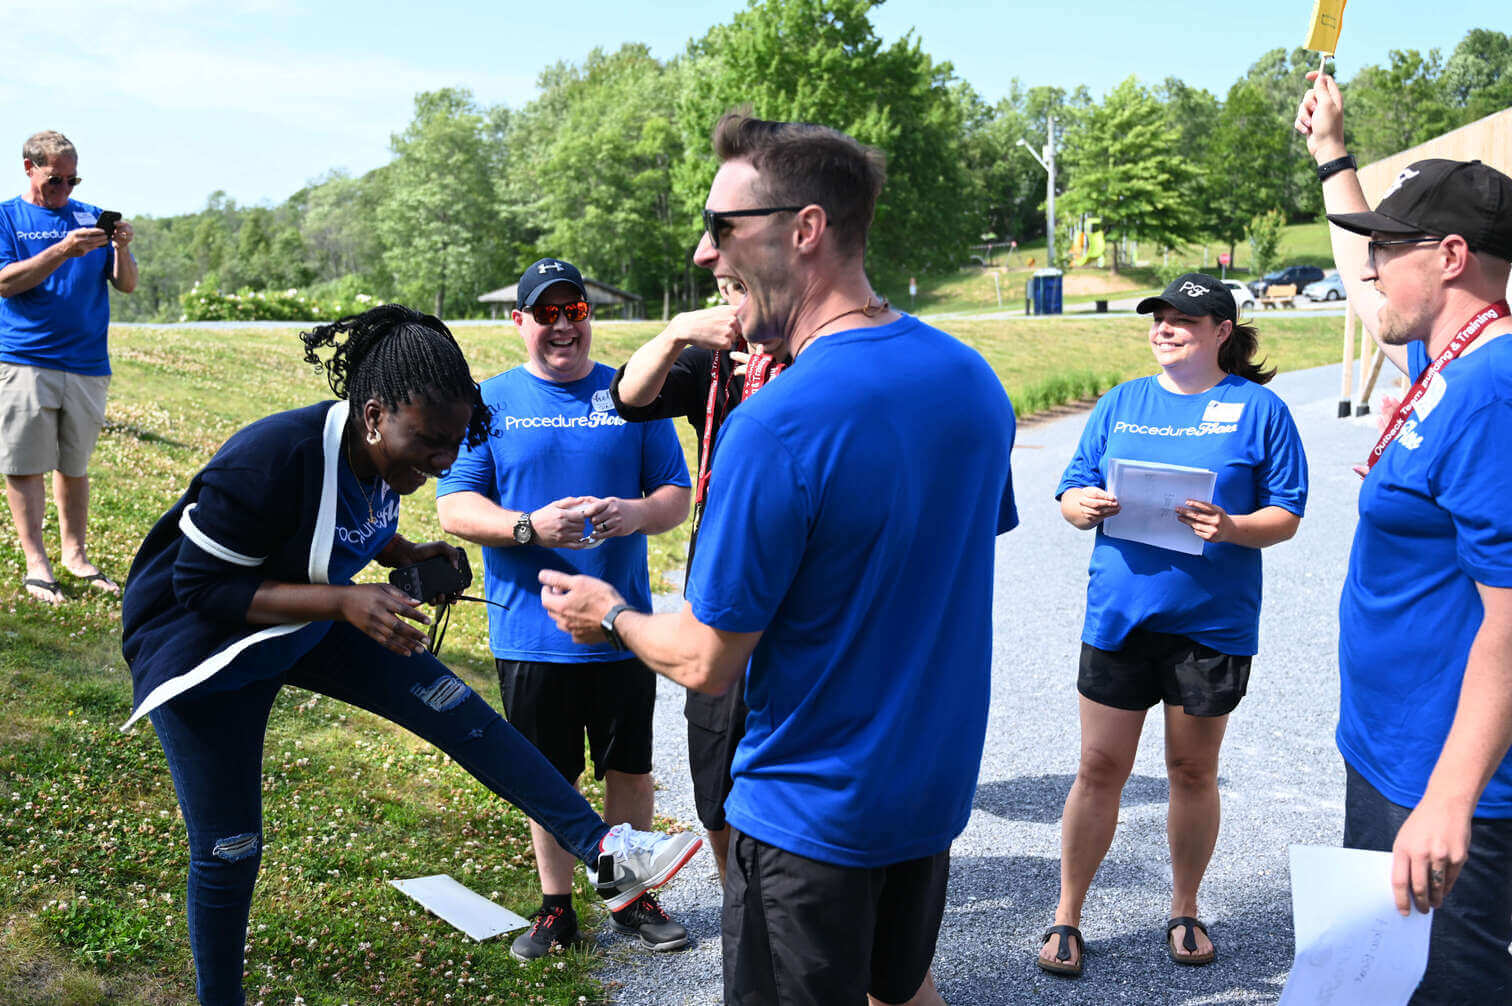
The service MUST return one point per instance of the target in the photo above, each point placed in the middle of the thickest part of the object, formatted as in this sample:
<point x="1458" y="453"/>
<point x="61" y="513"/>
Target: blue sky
<point x="169" y="100"/>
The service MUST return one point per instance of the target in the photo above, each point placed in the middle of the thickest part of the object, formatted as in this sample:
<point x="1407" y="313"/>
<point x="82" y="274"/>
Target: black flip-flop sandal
<point x="51" y="586"/>
<point x="1191" y="958"/>
<point x="1062" y="964"/>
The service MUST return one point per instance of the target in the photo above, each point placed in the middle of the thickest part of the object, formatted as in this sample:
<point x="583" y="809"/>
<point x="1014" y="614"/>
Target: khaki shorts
<point x="49" y="419"/>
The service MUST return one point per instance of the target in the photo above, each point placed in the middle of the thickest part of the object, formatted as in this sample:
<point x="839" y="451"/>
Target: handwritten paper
<point x="464" y="908"/>
<point x="1352" y="946"/>
<point x="1148" y="494"/>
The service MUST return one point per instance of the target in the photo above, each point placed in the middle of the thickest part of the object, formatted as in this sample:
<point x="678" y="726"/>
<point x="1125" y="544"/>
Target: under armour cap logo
<point x="1192" y="289"/>
<point x="555" y="266"/>
<point x="1406" y="175"/>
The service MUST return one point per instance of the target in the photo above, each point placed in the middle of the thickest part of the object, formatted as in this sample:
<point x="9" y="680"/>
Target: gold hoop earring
<point x="374" y="436"/>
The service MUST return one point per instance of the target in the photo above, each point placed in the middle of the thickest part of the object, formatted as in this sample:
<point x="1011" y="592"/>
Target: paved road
<point x="1280" y="775"/>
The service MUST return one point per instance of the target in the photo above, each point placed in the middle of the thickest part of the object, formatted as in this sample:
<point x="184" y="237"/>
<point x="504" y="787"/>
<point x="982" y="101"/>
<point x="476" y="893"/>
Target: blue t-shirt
<point x="61" y="322"/>
<point x="1238" y="429"/>
<point x="359" y="538"/>
<point x="550" y="441"/>
<point x="851" y="518"/>
<point x="1434" y="522"/>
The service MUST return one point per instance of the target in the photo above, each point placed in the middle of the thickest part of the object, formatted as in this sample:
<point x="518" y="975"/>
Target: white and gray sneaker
<point x="632" y="862"/>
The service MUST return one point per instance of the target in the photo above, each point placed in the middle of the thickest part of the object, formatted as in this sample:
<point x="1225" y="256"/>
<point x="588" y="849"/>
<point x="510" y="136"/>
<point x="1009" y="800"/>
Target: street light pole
<point x="1048" y="163"/>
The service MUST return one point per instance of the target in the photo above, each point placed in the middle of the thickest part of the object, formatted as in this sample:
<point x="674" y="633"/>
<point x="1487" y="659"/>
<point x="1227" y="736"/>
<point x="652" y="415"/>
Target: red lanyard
<point x="1457" y="345"/>
<point x="760" y="368"/>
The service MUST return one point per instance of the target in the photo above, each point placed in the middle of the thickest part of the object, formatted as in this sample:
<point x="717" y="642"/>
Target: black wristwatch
<point x="1328" y="169"/>
<point x="608" y="625"/>
<point x="524" y="531"/>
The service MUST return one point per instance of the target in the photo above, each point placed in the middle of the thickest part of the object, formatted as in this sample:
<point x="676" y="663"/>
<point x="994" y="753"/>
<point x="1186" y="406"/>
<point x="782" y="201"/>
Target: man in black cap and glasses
<point x="1425" y="621"/>
<point x="565" y="482"/>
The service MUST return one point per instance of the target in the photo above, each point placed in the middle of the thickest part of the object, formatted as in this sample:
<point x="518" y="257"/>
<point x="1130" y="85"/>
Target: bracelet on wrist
<point x="1328" y="169"/>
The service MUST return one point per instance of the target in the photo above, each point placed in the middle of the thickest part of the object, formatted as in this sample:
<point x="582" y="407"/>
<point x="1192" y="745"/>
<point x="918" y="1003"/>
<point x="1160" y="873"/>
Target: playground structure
<point x="1087" y="242"/>
<point x="1488" y="140"/>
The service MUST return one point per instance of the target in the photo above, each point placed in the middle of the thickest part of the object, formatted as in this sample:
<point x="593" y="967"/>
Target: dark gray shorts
<point x="1468" y="960"/>
<point x="554" y="705"/>
<point x="1152" y="667"/>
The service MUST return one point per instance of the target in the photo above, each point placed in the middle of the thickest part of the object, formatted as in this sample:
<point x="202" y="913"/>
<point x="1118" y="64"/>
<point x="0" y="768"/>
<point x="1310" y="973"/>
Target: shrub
<point x="206" y="303"/>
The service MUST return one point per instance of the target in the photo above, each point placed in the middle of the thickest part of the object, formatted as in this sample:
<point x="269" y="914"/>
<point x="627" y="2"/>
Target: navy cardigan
<point x="264" y="508"/>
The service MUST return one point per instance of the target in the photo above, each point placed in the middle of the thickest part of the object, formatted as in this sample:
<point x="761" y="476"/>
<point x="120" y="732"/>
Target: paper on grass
<point x="465" y="909"/>
<point x="1352" y="946"/>
<point x="1148" y="494"/>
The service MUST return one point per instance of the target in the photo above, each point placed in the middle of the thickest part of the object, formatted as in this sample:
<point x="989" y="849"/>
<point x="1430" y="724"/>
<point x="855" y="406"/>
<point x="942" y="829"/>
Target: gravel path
<point x="1280" y="775"/>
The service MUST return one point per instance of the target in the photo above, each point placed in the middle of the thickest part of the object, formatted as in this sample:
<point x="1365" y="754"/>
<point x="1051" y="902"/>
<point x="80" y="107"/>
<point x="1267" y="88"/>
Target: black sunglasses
<point x="715" y="219"/>
<point x="1370" y="257"/>
<point x="547" y="314"/>
<point x="71" y="181"/>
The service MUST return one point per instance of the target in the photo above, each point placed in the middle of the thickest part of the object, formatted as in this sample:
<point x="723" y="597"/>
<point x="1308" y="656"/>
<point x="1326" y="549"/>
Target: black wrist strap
<point x="608" y="625"/>
<point x="1328" y="169"/>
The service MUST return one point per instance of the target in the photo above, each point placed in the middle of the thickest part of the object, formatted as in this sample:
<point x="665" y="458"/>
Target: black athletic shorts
<point x="1156" y="666"/>
<point x="716" y="723"/>
<point x="554" y="704"/>
<point x="800" y="932"/>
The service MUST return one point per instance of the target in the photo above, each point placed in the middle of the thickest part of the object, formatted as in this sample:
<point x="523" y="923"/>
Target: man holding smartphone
<point x="56" y="256"/>
<point x="565" y="482"/>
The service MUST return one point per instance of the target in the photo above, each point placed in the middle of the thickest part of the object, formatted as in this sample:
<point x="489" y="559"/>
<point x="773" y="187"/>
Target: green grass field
<point x="92" y="854"/>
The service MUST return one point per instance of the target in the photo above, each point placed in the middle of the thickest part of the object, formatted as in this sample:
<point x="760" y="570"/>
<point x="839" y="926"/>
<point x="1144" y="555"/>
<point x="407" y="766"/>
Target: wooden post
<point x="1367" y="380"/>
<point x="1349" y="333"/>
<point x="1376" y="358"/>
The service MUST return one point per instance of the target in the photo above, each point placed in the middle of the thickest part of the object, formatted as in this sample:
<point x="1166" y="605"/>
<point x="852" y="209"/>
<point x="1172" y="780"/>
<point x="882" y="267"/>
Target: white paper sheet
<point x="1148" y="494"/>
<point x="1352" y="946"/>
<point x="464" y="908"/>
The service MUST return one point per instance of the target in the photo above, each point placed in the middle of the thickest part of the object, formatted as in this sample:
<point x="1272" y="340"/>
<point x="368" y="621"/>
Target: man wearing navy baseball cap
<point x="1425" y="621"/>
<point x="564" y="482"/>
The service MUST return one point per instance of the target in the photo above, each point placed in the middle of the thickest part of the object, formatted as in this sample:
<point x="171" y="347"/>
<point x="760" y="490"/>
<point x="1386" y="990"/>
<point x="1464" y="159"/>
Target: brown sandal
<point x="1191" y="958"/>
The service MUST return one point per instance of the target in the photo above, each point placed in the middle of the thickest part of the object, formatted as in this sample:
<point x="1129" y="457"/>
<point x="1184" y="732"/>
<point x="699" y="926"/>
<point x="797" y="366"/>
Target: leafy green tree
<point x="1245" y="163"/>
<point x="1478" y="75"/>
<point x="1397" y="106"/>
<point x="821" y="61"/>
<point x="1124" y="170"/>
<point x="1265" y="239"/>
<point x="338" y="232"/>
<point x="597" y="149"/>
<point x="436" y="219"/>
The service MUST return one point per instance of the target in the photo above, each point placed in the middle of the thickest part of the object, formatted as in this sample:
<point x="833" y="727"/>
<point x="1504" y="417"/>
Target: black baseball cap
<point x="1196" y="294"/>
<point x="1441" y="197"/>
<point x="544" y="273"/>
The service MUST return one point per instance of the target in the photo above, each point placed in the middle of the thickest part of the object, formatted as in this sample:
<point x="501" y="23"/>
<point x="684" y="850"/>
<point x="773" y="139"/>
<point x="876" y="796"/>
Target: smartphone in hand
<point x="107" y="221"/>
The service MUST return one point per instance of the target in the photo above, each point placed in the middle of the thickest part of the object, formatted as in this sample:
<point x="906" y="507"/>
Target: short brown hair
<point x="801" y="163"/>
<point x="41" y="148"/>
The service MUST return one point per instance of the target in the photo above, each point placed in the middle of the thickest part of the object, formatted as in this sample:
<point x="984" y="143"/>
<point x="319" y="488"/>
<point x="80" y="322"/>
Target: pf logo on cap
<point x="1406" y="175"/>
<point x="1192" y="289"/>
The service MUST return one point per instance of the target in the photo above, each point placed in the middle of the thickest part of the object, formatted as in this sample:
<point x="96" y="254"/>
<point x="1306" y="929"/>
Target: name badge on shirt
<point x="84" y="218"/>
<point x="603" y="401"/>
<point x="1222" y="412"/>
<point x="1431" y="397"/>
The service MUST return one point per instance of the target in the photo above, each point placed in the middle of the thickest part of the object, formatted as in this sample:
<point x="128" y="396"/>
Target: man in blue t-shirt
<point x="843" y="578"/>
<point x="564" y="482"/>
<point x="54" y="368"/>
<point x="1425" y="620"/>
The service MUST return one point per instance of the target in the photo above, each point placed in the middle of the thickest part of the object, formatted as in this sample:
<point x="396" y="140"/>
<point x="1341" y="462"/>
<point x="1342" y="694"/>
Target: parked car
<point x="1243" y="299"/>
<point x="1293" y="275"/>
<point x="1327" y="288"/>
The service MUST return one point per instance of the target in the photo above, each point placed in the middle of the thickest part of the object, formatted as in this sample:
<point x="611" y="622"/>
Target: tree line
<point x="609" y="164"/>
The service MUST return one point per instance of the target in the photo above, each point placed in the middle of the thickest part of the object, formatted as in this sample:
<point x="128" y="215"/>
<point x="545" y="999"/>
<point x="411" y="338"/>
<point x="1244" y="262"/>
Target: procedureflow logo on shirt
<point x="1207" y="429"/>
<point x="591" y="421"/>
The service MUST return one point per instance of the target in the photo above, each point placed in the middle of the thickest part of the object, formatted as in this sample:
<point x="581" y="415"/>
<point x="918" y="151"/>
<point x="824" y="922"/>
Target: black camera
<point x="435" y="579"/>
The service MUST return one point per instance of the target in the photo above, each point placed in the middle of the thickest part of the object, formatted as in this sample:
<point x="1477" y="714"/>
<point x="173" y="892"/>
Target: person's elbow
<point x="451" y="514"/>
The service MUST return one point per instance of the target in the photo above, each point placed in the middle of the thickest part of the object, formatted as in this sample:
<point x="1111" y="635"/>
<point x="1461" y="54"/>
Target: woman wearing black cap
<point x="1176" y="622"/>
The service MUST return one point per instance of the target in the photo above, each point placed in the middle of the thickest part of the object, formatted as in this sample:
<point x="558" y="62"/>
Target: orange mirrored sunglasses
<point x="547" y="314"/>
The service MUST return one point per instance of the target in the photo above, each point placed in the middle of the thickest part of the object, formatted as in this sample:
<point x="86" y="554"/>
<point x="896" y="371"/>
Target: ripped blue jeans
<point x="214" y="744"/>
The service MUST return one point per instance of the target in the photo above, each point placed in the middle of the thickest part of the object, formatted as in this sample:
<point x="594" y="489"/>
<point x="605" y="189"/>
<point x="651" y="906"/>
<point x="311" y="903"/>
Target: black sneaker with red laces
<point x="552" y="926"/>
<point x="643" y="917"/>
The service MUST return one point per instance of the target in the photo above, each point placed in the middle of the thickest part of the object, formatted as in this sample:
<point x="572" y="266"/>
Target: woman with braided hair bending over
<point x="245" y="585"/>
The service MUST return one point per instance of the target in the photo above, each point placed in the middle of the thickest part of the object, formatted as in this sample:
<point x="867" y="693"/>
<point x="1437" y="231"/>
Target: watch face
<point x="523" y="531"/>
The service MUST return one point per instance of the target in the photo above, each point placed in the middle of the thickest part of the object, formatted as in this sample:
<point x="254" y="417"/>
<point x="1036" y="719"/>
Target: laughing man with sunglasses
<point x="55" y="263"/>
<point x="563" y="482"/>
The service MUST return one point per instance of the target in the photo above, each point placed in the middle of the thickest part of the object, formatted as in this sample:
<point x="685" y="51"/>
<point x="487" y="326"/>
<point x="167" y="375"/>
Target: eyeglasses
<point x="547" y="314"/>
<point x="1370" y="255"/>
<point x="714" y="220"/>
<point x="71" y="181"/>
